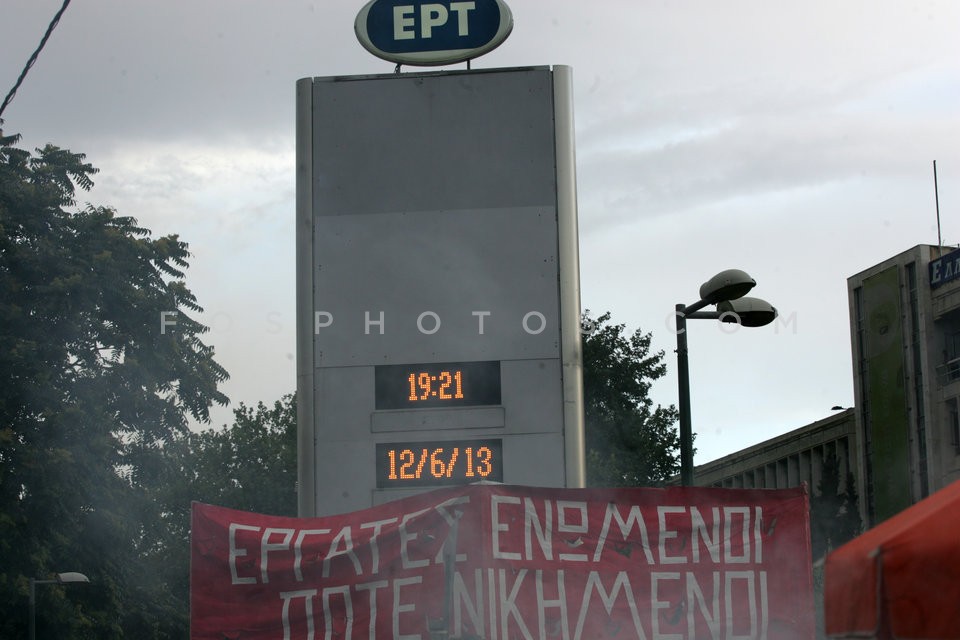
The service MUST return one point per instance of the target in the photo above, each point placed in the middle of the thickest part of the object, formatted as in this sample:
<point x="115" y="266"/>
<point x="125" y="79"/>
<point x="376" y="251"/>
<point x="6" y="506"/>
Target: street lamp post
<point x="726" y="290"/>
<point x="62" y="578"/>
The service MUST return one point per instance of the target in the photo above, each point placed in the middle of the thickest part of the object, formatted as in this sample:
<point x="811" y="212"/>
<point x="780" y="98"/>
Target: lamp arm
<point x="692" y="308"/>
<point x="703" y="315"/>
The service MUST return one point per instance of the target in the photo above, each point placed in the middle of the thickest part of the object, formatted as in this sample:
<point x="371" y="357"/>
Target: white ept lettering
<point x="461" y="9"/>
<point x="401" y="22"/>
<point x="432" y="15"/>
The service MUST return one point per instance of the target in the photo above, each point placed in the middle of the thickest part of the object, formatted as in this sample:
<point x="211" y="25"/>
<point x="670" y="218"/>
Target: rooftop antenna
<point x="936" y="197"/>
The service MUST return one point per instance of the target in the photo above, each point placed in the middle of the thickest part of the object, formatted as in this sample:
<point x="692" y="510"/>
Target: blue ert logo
<point x="432" y="33"/>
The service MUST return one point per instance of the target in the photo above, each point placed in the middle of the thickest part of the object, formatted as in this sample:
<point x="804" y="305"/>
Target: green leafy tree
<point x="834" y="509"/>
<point x="249" y="465"/>
<point x="94" y="386"/>
<point x="629" y="440"/>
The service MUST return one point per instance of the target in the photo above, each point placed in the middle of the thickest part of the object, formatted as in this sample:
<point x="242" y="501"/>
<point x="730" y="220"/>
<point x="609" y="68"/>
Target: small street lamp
<point x="62" y="578"/>
<point x="726" y="290"/>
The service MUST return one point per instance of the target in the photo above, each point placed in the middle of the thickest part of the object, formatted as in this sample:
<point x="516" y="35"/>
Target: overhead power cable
<point x="33" y="58"/>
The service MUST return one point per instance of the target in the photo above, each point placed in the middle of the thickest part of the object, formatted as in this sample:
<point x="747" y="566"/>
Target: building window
<point x="951" y="369"/>
<point x="948" y="328"/>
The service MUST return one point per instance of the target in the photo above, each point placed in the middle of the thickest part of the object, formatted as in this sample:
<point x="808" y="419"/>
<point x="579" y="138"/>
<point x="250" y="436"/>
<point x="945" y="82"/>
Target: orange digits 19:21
<point x="446" y="385"/>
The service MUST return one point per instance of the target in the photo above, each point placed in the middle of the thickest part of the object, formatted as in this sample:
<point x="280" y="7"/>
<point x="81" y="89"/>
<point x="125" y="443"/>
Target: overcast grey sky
<point x="792" y="140"/>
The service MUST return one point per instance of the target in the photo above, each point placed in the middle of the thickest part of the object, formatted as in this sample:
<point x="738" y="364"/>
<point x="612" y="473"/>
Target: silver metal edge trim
<point x="571" y="349"/>
<point x="306" y="429"/>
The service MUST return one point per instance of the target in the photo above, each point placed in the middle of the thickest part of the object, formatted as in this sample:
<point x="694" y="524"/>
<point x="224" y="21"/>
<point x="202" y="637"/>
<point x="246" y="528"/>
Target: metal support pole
<point x="62" y="578"/>
<point x="33" y="610"/>
<point x="32" y="630"/>
<point x="683" y="375"/>
<point x="724" y="289"/>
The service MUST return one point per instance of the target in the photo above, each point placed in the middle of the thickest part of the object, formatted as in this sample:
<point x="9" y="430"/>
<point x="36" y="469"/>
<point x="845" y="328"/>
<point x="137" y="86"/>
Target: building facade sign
<point x="945" y="269"/>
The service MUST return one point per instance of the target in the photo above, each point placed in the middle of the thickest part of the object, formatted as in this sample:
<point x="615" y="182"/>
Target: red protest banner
<point x="501" y="562"/>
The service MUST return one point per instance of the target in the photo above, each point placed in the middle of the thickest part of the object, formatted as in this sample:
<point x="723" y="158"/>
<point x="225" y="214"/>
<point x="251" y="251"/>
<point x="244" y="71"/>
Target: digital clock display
<point x="445" y="384"/>
<point x="438" y="463"/>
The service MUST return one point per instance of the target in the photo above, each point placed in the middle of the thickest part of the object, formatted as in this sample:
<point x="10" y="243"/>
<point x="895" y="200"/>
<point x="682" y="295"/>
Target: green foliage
<point x="250" y="465"/>
<point x="834" y="510"/>
<point x="92" y="392"/>
<point x="629" y="441"/>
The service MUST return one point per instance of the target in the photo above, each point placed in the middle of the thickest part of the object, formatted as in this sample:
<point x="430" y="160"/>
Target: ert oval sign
<point x="432" y="33"/>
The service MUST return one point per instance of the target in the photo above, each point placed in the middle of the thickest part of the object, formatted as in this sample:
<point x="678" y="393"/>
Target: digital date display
<point x="445" y="384"/>
<point x="438" y="463"/>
